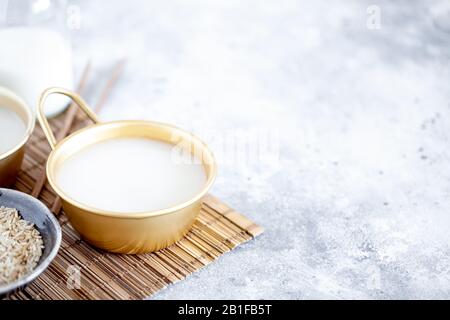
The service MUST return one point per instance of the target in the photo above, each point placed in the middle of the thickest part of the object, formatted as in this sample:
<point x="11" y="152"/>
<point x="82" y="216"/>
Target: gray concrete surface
<point x="351" y="177"/>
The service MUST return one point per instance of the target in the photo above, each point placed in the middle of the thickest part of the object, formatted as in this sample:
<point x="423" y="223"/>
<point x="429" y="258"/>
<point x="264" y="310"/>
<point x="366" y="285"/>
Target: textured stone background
<point x="354" y="190"/>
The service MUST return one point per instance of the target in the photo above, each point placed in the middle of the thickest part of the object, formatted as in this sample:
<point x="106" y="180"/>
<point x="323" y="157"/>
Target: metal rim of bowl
<point x="30" y="125"/>
<point x="138" y="214"/>
<point x="42" y="266"/>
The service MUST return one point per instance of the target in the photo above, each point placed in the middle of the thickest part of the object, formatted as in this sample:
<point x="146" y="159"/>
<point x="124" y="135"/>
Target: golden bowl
<point x="11" y="160"/>
<point x="125" y="232"/>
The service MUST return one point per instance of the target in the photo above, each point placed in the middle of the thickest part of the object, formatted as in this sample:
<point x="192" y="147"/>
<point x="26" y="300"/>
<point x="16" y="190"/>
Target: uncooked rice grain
<point x="20" y="246"/>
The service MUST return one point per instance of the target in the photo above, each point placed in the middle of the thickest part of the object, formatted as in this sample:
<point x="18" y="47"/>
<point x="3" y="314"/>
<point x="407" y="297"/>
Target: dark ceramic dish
<point x="36" y="212"/>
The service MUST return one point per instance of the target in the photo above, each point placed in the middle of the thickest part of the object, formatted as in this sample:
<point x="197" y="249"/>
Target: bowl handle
<point x="72" y="95"/>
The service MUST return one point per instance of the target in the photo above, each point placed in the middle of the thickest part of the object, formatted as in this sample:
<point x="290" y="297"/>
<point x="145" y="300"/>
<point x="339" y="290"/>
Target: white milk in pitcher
<point x="12" y="129"/>
<point x="33" y="59"/>
<point x="129" y="175"/>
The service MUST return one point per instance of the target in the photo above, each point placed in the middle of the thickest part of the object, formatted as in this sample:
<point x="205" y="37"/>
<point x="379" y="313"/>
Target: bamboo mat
<point x="103" y="275"/>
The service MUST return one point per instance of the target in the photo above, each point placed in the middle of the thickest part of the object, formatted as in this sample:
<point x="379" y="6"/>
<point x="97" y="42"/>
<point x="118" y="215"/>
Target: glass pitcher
<point x="35" y="50"/>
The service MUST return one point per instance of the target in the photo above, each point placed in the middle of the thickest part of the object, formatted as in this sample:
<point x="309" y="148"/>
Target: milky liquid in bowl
<point x="129" y="175"/>
<point x="12" y="129"/>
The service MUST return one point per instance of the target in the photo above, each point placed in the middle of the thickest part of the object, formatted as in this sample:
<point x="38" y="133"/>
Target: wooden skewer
<point x="40" y="182"/>
<point x="71" y="113"/>
<point x="118" y="69"/>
